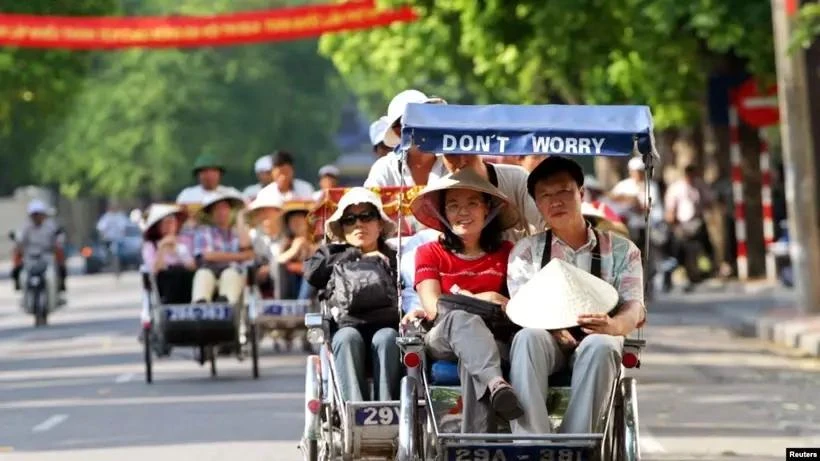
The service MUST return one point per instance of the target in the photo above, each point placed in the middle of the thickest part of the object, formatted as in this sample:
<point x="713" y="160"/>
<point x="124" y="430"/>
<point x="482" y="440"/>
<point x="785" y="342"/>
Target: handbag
<point x="496" y="320"/>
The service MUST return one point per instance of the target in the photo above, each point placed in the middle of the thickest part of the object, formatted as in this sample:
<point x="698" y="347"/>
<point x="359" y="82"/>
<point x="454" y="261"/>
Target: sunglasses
<point x="366" y="217"/>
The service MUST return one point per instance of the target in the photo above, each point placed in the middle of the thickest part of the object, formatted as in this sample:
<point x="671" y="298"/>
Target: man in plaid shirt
<point x="594" y="350"/>
<point x="219" y="247"/>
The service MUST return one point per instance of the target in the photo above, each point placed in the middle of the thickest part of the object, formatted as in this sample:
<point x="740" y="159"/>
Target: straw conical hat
<point x="427" y="205"/>
<point x="158" y="212"/>
<point x="555" y="297"/>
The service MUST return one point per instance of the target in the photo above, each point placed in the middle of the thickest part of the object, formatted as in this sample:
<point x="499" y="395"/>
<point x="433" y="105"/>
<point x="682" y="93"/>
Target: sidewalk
<point x="772" y="316"/>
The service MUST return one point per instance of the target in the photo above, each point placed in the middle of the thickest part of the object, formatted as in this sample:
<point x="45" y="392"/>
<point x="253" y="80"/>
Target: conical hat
<point x="158" y="212"/>
<point x="425" y="207"/>
<point x="555" y="297"/>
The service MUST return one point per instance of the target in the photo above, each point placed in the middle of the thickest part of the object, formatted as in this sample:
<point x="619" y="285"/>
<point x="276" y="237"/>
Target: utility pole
<point x="798" y="157"/>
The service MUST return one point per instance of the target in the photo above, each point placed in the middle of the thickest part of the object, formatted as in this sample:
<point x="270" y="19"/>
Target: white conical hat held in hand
<point x="555" y="297"/>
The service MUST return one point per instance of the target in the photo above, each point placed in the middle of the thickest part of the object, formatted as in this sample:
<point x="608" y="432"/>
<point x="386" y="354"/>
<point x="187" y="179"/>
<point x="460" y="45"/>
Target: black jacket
<point x="324" y="271"/>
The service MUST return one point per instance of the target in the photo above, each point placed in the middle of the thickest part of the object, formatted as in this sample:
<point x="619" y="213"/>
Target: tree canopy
<point x="656" y="52"/>
<point x="136" y="119"/>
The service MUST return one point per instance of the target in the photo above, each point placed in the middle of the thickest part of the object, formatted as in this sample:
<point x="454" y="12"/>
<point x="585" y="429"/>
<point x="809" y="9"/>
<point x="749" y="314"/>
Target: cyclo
<point x="430" y="393"/>
<point x="334" y="428"/>
<point x="208" y="327"/>
<point x="278" y="311"/>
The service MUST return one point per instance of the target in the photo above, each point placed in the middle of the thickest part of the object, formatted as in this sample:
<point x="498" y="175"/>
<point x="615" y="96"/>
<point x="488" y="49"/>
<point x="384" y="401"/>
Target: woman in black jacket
<point x="355" y="276"/>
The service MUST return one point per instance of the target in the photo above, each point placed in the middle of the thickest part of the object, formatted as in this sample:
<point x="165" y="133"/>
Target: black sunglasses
<point x="366" y="217"/>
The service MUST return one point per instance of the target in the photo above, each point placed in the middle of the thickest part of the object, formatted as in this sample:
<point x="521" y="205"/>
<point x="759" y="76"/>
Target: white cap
<point x="37" y="207"/>
<point x="573" y="291"/>
<point x="396" y="110"/>
<point x="268" y="197"/>
<point x="263" y="164"/>
<point x="636" y="164"/>
<point x="329" y="170"/>
<point x="377" y="130"/>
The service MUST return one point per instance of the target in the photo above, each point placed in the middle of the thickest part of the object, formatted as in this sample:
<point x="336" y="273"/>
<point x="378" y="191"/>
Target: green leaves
<point x="656" y="52"/>
<point x="807" y="26"/>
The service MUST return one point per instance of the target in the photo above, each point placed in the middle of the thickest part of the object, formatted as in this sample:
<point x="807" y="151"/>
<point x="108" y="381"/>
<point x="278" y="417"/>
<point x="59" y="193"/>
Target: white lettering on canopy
<point x="566" y="145"/>
<point x="540" y="144"/>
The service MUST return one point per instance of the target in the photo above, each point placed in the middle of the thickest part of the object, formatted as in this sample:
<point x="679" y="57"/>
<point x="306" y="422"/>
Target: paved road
<point x="74" y="391"/>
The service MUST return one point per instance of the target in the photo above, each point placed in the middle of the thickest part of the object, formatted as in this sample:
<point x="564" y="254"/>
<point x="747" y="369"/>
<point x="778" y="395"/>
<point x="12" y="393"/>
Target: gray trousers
<point x="595" y="363"/>
<point x="462" y="336"/>
<point x="349" y="356"/>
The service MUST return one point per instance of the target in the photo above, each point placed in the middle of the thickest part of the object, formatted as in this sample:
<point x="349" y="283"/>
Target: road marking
<point x="124" y="378"/>
<point x="650" y="444"/>
<point x="50" y="423"/>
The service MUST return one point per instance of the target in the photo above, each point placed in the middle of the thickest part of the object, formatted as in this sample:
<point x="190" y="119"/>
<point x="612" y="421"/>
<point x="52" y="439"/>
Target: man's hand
<point x="564" y="339"/>
<point x="599" y="323"/>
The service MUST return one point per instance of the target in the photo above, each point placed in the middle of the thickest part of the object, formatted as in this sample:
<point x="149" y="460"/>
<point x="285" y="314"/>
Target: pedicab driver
<point x="594" y="350"/>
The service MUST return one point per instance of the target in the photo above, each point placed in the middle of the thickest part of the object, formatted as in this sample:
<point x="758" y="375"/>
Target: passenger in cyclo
<point x="593" y="350"/>
<point x="355" y="274"/>
<point x="263" y="168"/>
<point x="265" y="213"/>
<point x="470" y="260"/>
<point x="328" y="179"/>
<point x="297" y="246"/>
<point x="165" y="256"/>
<point x="221" y="247"/>
<point x="377" y="130"/>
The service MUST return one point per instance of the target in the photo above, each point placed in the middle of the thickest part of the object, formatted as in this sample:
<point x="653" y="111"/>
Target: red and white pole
<point x="737" y="194"/>
<point x="768" y="212"/>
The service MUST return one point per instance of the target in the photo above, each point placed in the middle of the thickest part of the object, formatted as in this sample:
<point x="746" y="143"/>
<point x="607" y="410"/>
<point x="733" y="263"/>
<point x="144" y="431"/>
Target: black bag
<point x="362" y="285"/>
<point x="496" y="320"/>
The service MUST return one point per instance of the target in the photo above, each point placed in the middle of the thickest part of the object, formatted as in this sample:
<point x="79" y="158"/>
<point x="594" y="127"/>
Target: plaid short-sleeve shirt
<point x="212" y="238"/>
<point x="620" y="262"/>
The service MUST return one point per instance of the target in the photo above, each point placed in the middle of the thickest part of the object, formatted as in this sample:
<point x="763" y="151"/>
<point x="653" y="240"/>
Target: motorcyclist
<point x="40" y="235"/>
<point x="112" y="226"/>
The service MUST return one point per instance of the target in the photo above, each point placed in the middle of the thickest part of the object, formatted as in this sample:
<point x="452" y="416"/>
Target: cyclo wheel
<point x="409" y="446"/>
<point x="254" y="350"/>
<point x="312" y="451"/>
<point x="149" y="373"/>
<point x="212" y="356"/>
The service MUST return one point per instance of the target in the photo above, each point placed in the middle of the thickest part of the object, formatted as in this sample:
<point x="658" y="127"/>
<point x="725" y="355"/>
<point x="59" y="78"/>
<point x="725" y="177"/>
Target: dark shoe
<point x="201" y="301"/>
<point x="504" y="401"/>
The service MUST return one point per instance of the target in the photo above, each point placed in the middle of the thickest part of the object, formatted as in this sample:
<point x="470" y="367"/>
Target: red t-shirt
<point x="488" y="273"/>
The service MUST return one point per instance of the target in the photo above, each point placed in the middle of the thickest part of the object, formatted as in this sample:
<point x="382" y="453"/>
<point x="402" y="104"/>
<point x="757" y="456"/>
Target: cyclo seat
<point x="445" y="373"/>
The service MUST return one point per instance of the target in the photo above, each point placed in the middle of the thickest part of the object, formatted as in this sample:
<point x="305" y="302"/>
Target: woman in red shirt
<point x="469" y="259"/>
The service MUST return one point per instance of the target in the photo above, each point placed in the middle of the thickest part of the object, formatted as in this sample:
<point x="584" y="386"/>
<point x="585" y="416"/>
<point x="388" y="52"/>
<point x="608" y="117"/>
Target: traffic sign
<point x="756" y="108"/>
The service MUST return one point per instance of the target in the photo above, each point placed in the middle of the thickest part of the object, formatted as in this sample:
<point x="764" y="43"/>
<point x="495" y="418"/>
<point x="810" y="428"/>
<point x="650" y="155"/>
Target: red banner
<point x="193" y="31"/>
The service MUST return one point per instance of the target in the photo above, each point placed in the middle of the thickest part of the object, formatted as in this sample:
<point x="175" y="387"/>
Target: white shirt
<point x="631" y="188"/>
<point x="250" y="192"/>
<point x="385" y="172"/>
<point x="195" y="194"/>
<point x="40" y="239"/>
<point x="302" y="190"/>
<point x="410" y="299"/>
<point x="687" y="200"/>
<point x="112" y="225"/>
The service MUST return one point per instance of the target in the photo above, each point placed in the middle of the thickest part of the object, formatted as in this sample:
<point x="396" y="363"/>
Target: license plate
<point x="284" y="310"/>
<point x="194" y="313"/>
<point x="377" y="416"/>
<point x="516" y="452"/>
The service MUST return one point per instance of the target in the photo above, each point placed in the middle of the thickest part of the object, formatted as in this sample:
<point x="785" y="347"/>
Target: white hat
<point x="38" y="207"/>
<point x="263" y="164"/>
<point x="592" y="183"/>
<point x="268" y="197"/>
<point x="377" y="130"/>
<point x="357" y="196"/>
<point x="329" y="170"/>
<point x="396" y="109"/>
<point x="636" y="164"/>
<point x="217" y="196"/>
<point x="159" y="211"/>
<point x="572" y="292"/>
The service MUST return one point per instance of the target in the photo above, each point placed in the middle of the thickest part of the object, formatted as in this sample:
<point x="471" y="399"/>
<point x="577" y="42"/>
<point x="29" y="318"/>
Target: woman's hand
<point x="169" y="242"/>
<point x="415" y="315"/>
<point x="564" y="339"/>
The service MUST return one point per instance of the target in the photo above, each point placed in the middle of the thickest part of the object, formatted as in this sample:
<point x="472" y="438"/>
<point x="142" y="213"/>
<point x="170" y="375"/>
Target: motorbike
<point x="38" y="281"/>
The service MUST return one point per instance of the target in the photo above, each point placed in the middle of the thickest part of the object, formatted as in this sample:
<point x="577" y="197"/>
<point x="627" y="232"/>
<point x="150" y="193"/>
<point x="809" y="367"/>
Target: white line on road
<point x="124" y="378"/>
<point x="50" y="423"/>
<point x="650" y="444"/>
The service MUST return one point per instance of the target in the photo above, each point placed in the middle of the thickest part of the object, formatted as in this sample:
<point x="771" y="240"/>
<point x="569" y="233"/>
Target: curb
<point x="786" y="327"/>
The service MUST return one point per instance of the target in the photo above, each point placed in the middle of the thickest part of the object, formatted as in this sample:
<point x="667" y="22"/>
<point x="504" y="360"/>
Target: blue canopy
<point x="524" y="130"/>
